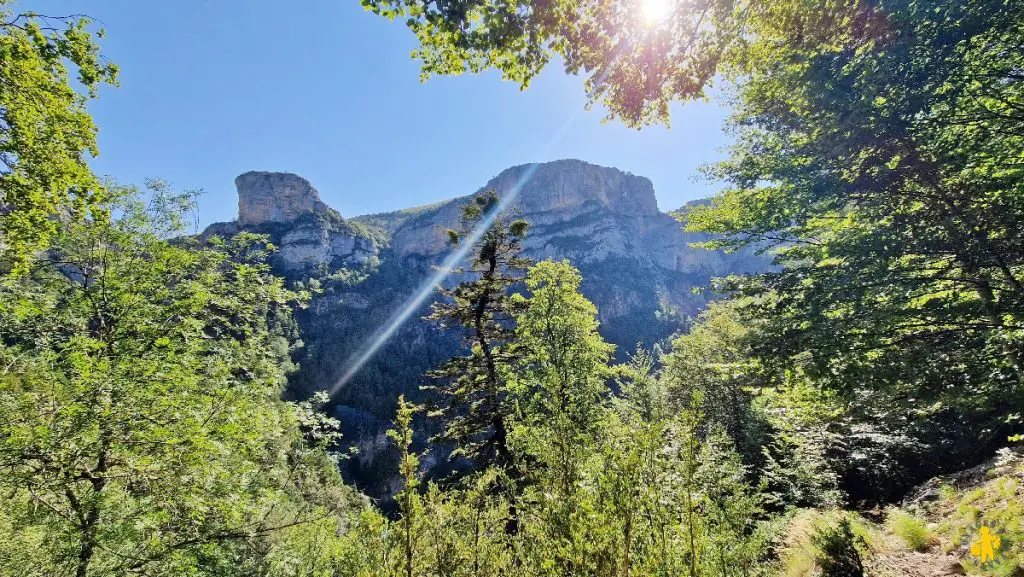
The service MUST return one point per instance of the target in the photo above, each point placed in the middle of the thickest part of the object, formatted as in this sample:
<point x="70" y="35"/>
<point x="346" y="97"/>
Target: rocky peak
<point x="567" y="184"/>
<point x="274" y="197"/>
<point x="563" y="199"/>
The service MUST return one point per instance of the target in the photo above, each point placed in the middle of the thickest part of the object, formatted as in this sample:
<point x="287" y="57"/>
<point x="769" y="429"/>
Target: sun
<point x="655" y="12"/>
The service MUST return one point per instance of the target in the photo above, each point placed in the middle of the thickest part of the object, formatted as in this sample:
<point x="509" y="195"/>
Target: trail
<point x="913" y="564"/>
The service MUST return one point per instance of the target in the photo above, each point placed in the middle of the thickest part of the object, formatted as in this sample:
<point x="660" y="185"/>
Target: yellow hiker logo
<point x="987" y="545"/>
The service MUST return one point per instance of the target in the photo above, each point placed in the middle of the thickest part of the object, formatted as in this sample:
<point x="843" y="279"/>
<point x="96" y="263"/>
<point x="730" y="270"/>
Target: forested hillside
<point x="853" y="409"/>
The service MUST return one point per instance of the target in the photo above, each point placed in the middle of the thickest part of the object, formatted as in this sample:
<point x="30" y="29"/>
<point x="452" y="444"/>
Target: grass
<point x="913" y="531"/>
<point x="994" y="500"/>
<point x="997" y="502"/>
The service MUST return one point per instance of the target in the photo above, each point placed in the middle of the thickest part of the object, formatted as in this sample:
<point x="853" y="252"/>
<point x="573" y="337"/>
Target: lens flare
<point x="655" y="12"/>
<point x="414" y="302"/>
<point x="425" y="290"/>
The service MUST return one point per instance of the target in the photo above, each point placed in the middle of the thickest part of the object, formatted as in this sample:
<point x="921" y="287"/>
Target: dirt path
<point x="912" y="564"/>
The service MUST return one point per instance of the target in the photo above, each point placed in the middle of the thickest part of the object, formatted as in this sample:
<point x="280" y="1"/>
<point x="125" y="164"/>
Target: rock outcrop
<point x="635" y="259"/>
<point x="274" y="197"/>
<point x="637" y="264"/>
<point x="309" y="235"/>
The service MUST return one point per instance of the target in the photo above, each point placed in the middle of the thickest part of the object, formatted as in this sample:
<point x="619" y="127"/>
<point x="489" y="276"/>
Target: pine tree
<point x="474" y="401"/>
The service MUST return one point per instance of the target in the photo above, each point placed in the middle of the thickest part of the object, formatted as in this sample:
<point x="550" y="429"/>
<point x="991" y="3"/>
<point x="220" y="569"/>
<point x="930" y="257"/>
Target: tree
<point x="877" y="156"/>
<point x="559" y="381"/>
<point x="143" y="429"/>
<point x="45" y="131"/>
<point x="475" y="402"/>
<point x="635" y="465"/>
<point x="877" y="147"/>
<point x="408" y="498"/>
<point x="710" y="370"/>
<point x="561" y="371"/>
<point x="884" y="172"/>
<point x="635" y="69"/>
<point x="636" y="66"/>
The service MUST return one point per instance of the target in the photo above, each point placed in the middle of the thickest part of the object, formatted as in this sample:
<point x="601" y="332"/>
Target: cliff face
<point x="274" y="197"/>
<point x="561" y="197"/>
<point x="309" y="234"/>
<point x="636" y="262"/>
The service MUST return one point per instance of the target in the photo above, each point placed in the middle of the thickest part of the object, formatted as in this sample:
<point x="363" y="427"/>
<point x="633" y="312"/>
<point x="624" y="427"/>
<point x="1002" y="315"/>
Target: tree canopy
<point x="141" y="391"/>
<point x="51" y="68"/>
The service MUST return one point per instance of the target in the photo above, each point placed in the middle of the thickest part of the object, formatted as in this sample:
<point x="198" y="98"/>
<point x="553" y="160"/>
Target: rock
<point x="274" y="197"/>
<point x="637" y="263"/>
<point x="312" y="244"/>
<point x="305" y="247"/>
<point x="635" y="259"/>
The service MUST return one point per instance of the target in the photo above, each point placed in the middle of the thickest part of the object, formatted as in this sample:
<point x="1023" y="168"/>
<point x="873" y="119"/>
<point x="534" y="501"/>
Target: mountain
<point x="637" y="264"/>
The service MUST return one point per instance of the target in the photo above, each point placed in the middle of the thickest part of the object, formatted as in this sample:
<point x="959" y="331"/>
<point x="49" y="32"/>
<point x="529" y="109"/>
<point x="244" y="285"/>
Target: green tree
<point x="475" y="404"/>
<point x="710" y="370"/>
<point x="636" y="468"/>
<point x="894" y="230"/>
<point x="408" y="498"/>
<point x="143" y="429"/>
<point x="883" y="171"/>
<point x="45" y="131"/>
<point x="635" y="69"/>
<point x="561" y="371"/>
<point x="877" y="149"/>
<point x="559" y="382"/>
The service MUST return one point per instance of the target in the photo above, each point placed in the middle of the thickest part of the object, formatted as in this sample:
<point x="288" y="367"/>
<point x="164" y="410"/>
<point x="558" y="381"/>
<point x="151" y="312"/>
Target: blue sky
<point x="210" y="89"/>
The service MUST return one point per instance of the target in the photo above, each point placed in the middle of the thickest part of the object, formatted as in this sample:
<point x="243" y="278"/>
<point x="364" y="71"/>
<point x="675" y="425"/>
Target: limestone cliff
<point x="637" y="264"/>
<point x="636" y="260"/>
<point x="309" y="234"/>
<point x="274" y="197"/>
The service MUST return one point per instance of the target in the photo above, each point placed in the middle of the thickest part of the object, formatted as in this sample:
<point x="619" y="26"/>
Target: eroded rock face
<point x="637" y="264"/>
<point x="563" y="200"/>
<point x="274" y="197"/>
<point x="312" y="244"/>
<point x="308" y="234"/>
<point x="585" y="213"/>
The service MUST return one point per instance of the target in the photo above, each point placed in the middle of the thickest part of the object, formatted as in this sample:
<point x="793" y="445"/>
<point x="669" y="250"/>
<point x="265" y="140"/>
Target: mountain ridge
<point x="637" y="265"/>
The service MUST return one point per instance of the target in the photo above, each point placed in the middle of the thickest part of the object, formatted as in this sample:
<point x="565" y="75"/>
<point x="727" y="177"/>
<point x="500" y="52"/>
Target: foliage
<point x="559" y="376"/>
<point x="890" y="231"/>
<point x="143" y="428"/>
<point x="838" y="554"/>
<point x="913" y="531"/>
<point x="710" y="369"/>
<point x="45" y="131"/>
<point x="876" y="157"/>
<point x="995" y="500"/>
<point x="799" y="556"/>
<point x="475" y="403"/>
<point x="634" y="69"/>
<point x="408" y="499"/>
<point x="800" y="457"/>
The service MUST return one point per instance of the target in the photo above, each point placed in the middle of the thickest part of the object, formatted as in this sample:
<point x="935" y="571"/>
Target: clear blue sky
<point x="210" y="89"/>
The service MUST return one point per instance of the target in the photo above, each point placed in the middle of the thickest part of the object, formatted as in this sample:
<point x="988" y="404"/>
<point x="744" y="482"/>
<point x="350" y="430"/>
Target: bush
<point x="912" y="530"/>
<point x="837" y="554"/>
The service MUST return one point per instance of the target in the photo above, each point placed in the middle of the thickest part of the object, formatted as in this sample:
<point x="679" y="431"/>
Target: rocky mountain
<point x="637" y="264"/>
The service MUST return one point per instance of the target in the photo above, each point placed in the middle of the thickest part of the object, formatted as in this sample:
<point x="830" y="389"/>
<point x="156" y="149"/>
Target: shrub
<point x="837" y="553"/>
<point x="912" y="530"/>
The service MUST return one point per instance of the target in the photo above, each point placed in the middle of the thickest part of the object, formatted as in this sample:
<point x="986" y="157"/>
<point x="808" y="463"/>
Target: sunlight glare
<point x="655" y="12"/>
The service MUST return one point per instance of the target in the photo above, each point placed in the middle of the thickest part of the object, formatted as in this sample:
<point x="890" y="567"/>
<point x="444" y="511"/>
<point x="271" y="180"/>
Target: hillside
<point x="638" y="266"/>
<point x="939" y="530"/>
